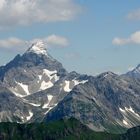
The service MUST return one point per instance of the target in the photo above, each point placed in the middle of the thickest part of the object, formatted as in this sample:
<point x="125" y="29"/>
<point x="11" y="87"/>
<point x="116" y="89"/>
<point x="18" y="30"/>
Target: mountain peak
<point x="38" y="48"/>
<point x="107" y="74"/>
<point x="137" y="69"/>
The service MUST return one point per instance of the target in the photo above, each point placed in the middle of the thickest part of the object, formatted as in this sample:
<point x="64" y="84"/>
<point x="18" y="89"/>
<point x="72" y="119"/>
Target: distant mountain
<point x="135" y="73"/>
<point x="35" y="87"/>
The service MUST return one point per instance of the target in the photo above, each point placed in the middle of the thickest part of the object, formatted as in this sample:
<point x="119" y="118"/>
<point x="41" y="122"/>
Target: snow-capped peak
<point x="38" y="48"/>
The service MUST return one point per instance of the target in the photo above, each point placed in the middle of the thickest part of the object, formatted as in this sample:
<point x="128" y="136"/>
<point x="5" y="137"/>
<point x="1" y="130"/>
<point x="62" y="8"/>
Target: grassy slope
<point x="70" y="129"/>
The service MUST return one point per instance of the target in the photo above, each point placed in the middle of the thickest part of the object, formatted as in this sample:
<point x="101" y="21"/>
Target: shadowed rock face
<point x="36" y="87"/>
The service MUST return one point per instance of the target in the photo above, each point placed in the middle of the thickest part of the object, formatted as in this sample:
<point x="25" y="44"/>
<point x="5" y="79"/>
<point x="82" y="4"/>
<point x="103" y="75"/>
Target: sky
<point x="87" y="36"/>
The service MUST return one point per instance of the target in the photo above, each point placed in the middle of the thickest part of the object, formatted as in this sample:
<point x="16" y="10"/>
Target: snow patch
<point x="50" y="108"/>
<point x="67" y="86"/>
<point x="24" y="87"/>
<point x="79" y="82"/>
<point x="50" y="75"/>
<point x="46" y="85"/>
<point x="45" y="80"/>
<point x="49" y="100"/>
<point x="132" y="111"/>
<point x="33" y="104"/>
<point x="14" y="90"/>
<point x="22" y="119"/>
<point x="122" y="110"/>
<point x="125" y="122"/>
<point x="30" y="116"/>
<point x="37" y="105"/>
<point x="48" y="72"/>
<point x="126" y="114"/>
<point x="76" y="82"/>
<point x="56" y="78"/>
<point x="40" y="77"/>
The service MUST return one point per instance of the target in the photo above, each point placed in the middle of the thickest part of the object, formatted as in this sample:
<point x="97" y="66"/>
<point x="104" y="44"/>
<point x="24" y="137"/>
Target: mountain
<point x="135" y="73"/>
<point x="34" y="83"/>
<point x="34" y="71"/>
<point x="35" y="87"/>
<point x="107" y="102"/>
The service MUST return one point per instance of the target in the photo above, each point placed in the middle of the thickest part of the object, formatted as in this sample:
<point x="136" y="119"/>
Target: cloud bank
<point x="26" y="12"/>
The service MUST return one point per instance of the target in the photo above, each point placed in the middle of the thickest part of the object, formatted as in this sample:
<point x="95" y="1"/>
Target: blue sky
<point x="96" y="35"/>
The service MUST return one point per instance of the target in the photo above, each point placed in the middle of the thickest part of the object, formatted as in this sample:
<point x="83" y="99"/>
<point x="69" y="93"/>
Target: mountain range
<point x="35" y="87"/>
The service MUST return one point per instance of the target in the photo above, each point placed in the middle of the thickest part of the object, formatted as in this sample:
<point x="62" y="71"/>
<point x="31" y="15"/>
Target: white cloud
<point x="134" y="15"/>
<point x="14" y="43"/>
<point x="57" y="41"/>
<point x="132" y="39"/>
<point x="26" y="12"/>
<point x="120" y="41"/>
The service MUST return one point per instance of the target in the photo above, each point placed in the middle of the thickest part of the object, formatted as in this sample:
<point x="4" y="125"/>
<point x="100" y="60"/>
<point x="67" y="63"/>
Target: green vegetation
<point x="65" y="129"/>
